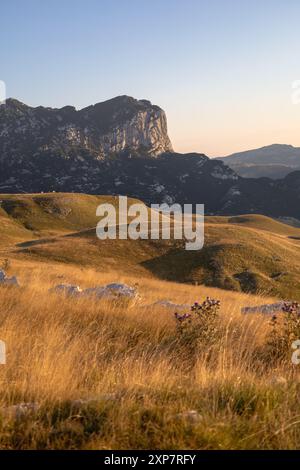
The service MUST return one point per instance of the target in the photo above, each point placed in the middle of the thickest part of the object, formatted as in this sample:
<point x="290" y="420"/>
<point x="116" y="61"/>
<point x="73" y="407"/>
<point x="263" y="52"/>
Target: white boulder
<point x="11" y="281"/>
<point x="265" y="309"/>
<point x="112" y="291"/>
<point x="67" y="289"/>
<point x="8" y="281"/>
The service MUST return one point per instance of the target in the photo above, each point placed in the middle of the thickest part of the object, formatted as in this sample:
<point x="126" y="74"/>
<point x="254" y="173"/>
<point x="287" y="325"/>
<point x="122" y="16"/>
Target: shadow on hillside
<point x="88" y="232"/>
<point x="185" y="266"/>
<point x="175" y="265"/>
<point x="42" y="241"/>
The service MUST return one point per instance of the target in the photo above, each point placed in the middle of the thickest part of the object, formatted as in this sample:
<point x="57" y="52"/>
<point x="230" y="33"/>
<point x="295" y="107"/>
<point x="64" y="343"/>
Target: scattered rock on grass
<point x="67" y="289"/>
<point x="20" y="410"/>
<point x="88" y="401"/>
<point x="191" y="416"/>
<point x="111" y="291"/>
<point x="267" y="308"/>
<point x="8" y="281"/>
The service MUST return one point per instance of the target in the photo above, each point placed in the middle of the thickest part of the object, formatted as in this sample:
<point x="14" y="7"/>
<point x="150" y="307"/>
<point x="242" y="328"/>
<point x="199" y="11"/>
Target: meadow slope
<point x="102" y="374"/>
<point x="249" y="253"/>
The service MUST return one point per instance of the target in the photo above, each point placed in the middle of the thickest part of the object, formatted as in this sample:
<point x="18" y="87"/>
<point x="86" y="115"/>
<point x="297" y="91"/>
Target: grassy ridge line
<point x="233" y="257"/>
<point x="256" y="221"/>
<point x="250" y="253"/>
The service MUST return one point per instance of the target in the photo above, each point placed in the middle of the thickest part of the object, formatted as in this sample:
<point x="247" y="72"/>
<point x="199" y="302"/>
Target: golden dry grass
<point x="249" y="253"/>
<point x="104" y="375"/>
<point x="127" y="363"/>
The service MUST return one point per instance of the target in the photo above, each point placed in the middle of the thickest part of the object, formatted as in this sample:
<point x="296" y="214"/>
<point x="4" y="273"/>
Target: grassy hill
<point x="257" y="221"/>
<point x="249" y="253"/>
<point x="56" y="212"/>
<point x="103" y="374"/>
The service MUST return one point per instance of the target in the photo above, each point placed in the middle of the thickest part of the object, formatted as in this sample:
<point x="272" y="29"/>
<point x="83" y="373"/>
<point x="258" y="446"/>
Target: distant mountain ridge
<point x="272" y="161"/>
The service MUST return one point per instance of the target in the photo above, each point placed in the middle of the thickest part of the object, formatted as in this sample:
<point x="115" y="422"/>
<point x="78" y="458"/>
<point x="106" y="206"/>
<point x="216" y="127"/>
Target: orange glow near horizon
<point x="220" y="132"/>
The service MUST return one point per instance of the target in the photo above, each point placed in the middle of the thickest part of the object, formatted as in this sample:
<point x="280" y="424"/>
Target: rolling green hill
<point x="56" y="212"/>
<point x="249" y="253"/>
<point x="257" y="221"/>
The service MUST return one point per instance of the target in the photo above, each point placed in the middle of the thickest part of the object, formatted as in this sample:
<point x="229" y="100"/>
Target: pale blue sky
<point x="221" y="69"/>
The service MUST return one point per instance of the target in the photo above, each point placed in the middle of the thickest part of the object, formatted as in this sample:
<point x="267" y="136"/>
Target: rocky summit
<point x="101" y="130"/>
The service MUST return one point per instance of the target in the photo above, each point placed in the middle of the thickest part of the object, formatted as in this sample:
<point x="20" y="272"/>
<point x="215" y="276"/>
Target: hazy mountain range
<point x="121" y="146"/>
<point x="273" y="161"/>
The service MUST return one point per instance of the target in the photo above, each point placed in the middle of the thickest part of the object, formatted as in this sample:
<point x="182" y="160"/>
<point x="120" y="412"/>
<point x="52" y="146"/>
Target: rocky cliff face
<point x="101" y="131"/>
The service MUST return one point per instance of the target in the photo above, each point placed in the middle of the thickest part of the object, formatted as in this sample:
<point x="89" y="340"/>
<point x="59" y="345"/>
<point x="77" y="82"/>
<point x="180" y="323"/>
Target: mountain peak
<point x="277" y="147"/>
<point x="14" y="103"/>
<point x="99" y="131"/>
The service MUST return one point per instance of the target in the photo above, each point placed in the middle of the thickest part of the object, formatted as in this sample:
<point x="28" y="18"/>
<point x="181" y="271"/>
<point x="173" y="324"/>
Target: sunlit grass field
<point x="109" y="375"/>
<point x="85" y="373"/>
